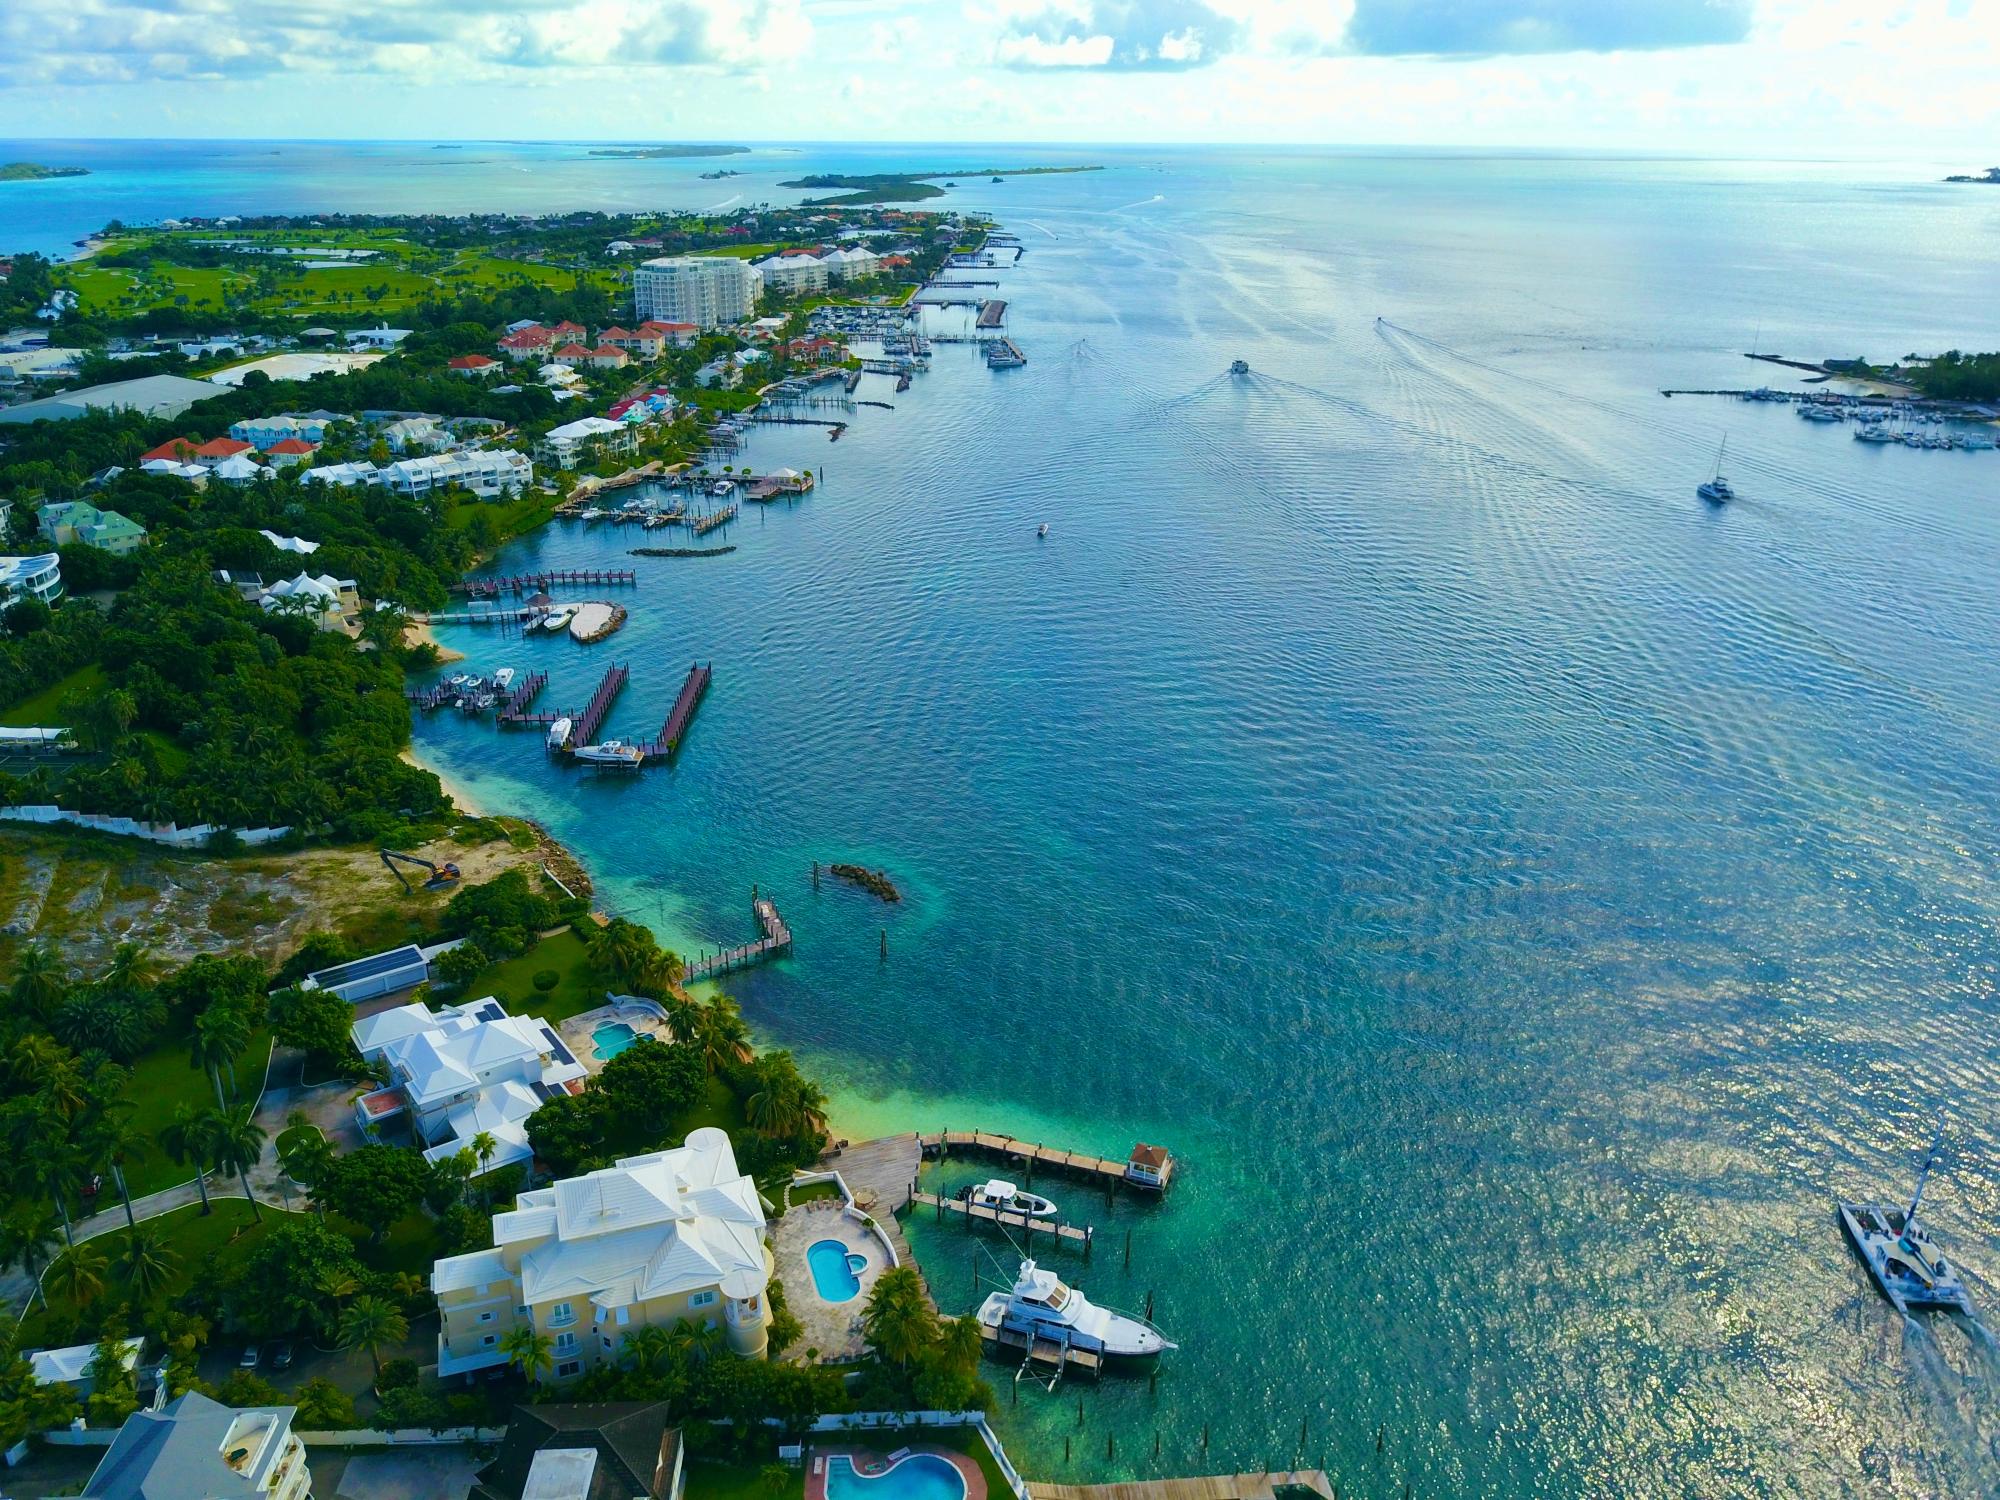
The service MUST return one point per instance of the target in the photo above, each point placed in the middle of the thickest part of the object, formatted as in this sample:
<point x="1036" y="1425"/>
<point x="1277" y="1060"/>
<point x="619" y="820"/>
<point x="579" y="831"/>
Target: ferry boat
<point x="1042" y="1307"/>
<point x="1239" y="367"/>
<point x="559" y="733"/>
<point x="1900" y="1255"/>
<point x="1004" y="1197"/>
<point x="1716" y="491"/>
<point x="614" y="753"/>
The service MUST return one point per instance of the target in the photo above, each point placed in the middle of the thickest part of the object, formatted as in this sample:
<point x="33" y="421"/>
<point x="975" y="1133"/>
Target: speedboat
<point x="1716" y="491"/>
<point x="559" y="733"/>
<point x="1900" y="1254"/>
<point x="1041" y="1306"/>
<point x="1239" y="367"/>
<point x="504" y="678"/>
<point x="556" y="620"/>
<point x="614" y="753"/>
<point x="720" y="488"/>
<point x="1004" y="1197"/>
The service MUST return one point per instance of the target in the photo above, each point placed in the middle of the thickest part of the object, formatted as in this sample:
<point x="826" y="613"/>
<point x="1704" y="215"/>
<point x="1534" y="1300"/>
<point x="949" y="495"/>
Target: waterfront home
<point x="584" y="439"/>
<point x="322" y="598"/>
<point x="69" y="523"/>
<point x="727" y="372"/>
<point x="648" y="1242"/>
<point x="461" y="1072"/>
<point x="288" y="453"/>
<point x="472" y="366"/>
<point x="39" y="577"/>
<point x="197" y="1449"/>
<point x="603" y="1450"/>
<point x="488" y="473"/>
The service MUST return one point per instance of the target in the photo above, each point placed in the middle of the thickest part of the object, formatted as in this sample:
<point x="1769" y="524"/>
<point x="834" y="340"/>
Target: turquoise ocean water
<point x="1523" y="897"/>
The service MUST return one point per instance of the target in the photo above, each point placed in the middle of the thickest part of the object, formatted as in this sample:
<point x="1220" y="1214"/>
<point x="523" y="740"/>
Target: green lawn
<point x="410" y="1244"/>
<point x="196" y="1239"/>
<point x="712" y="1479"/>
<point x="580" y="988"/>
<point x="162" y="1081"/>
<point x="814" y="1191"/>
<point x="44" y="708"/>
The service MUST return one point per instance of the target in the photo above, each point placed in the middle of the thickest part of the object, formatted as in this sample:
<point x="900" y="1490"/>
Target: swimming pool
<point x="612" y="1037"/>
<point x="921" y="1476"/>
<point x="836" y="1270"/>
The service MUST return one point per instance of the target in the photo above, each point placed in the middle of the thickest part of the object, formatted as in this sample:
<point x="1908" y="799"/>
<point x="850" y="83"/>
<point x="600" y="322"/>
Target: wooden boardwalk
<point x="1068" y="1234"/>
<point x="675" y="729"/>
<point x="1202" y="1487"/>
<point x="879" y="1173"/>
<point x="594" y="713"/>
<point x="777" y="940"/>
<point x="1008" y="1148"/>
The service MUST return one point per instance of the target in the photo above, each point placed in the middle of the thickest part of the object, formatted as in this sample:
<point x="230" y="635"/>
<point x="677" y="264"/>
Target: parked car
<point x="249" y="1359"/>
<point x="281" y="1355"/>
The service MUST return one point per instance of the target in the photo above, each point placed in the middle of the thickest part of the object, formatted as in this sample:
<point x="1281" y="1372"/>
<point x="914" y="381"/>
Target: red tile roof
<point x="471" y="362"/>
<point x="221" y="447"/>
<point x="566" y="329"/>
<point x="293" y="445"/>
<point x="607" y="351"/>
<point x="528" y="338"/>
<point x="614" y="332"/>
<point x="173" y="450"/>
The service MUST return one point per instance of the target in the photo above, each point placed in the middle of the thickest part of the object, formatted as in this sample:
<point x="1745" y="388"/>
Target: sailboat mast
<point x="1924" y="1176"/>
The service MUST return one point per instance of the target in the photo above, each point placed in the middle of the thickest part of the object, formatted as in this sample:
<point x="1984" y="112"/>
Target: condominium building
<point x="197" y="1449"/>
<point x="69" y="523"/>
<point x="706" y="290"/>
<point x="649" y="1242"/>
<point x="40" y="576"/>
<point x="584" y="439"/>
<point x="487" y="472"/>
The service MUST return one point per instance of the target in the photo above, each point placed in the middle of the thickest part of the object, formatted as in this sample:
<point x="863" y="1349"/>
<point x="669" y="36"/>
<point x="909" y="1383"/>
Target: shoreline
<point x="453" y="788"/>
<point x="419" y="633"/>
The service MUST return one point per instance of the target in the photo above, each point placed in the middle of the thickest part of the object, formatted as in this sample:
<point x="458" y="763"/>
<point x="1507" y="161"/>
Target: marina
<point x="521" y="583"/>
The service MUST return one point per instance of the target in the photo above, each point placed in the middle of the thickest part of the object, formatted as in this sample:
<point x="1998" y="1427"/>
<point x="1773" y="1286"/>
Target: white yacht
<point x="1041" y="1306"/>
<point x="559" y="734"/>
<point x="613" y="753"/>
<point x="1004" y="1197"/>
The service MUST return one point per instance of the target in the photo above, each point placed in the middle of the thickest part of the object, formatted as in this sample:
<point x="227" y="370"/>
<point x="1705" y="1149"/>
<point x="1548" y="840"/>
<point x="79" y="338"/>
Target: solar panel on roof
<point x="368" y="968"/>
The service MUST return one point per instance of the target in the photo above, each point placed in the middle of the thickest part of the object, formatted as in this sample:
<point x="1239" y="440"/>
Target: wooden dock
<point x="1259" y="1486"/>
<point x="675" y="729"/>
<point x="1159" y="1163"/>
<point x="703" y="525"/>
<point x="584" y="730"/>
<point x="1040" y="1355"/>
<point x="1082" y="1236"/>
<point x="777" y="940"/>
<point x="521" y="583"/>
<point x="514" y="712"/>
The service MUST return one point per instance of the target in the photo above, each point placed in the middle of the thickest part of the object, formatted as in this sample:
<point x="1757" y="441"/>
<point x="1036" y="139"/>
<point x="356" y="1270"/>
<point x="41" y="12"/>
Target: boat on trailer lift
<point x="1906" y="1263"/>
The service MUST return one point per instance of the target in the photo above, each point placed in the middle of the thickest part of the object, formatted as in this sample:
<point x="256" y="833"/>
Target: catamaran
<point x="1900" y="1255"/>
<point x="1717" y="491"/>
<point x="1042" y="1307"/>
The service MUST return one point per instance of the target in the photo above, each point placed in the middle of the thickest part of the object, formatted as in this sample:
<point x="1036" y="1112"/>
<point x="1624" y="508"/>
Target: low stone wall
<point x="170" y="834"/>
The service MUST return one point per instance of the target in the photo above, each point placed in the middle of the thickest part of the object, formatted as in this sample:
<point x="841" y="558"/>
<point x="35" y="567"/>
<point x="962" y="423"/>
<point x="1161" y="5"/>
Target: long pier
<point x="514" y="711"/>
<point x="1067" y="1234"/>
<point x="945" y="1143"/>
<point x="777" y="940"/>
<point x="672" y="732"/>
<point x="521" y="583"/>
<point x="703" y="525"/>
<point x="584" y="730"/>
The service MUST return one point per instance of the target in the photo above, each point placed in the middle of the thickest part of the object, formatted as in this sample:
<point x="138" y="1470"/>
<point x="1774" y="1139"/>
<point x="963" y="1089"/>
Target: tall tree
<point x="219" y="1034"/>
<point x="27" y="1242"/>
<point x="39" y="983"/>
<point x="106" y="1137"/>
<point x="147" y="1263"/>
<point x="186" y="1140"/>
<point x="898" y="1321"/>
<point x="532" y="1351"/>
<point x="237" y="1141"/>
<point x="78" y="1275"/>
<point x="369" y="1323"/>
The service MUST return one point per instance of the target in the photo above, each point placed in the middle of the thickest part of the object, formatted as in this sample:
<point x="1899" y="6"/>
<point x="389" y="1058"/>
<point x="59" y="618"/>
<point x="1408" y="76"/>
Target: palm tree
<point x="107" y="1136"/>
<point x="684" y="1016"/>
<point x="186" y="1140"/>
<point x="237" y="1141"/>
<point x="56" y="1171"/>
<point x="369" y="1323"/>
<point x="723" y="1035"/>
<point x="27" y="1241"/>
<point x="39" y="984"/>
<point x="693" y="1343"/>
<point x="532" y="1351"/>
<point x="130" y="970"/>
<point x="218" y="1035"/>
<point x="778" y="1107"/>
<point x="483" y="1148"/>
<point x="898" y="1321"/>
<point x="646" y="1348"/>
<point x="79" y="1275"/>
<point x="147" y="1264"/>
<point x="304" y="1157"/>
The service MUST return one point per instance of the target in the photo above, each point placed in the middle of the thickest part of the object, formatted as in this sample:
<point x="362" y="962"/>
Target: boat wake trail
<point x="716" y="208"/>
<point x="1142" y="203"/>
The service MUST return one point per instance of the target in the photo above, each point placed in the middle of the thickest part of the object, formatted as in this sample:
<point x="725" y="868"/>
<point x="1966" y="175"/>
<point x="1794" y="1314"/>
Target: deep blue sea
<point x="1524" y="897"/>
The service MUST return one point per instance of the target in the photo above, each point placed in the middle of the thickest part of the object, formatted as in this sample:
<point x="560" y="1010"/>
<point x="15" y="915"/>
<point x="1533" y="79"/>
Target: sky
<point x="1746" y="77"/>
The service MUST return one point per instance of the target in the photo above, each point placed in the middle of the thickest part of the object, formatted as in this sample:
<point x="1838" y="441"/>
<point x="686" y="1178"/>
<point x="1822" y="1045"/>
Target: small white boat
<point x="1004" y="1197"/>
<point x="613" y="753"/>
<point x="720" y="488"/>
<point x="556" y="620"/>
<point x="559" y="734"/>
<point x="1876" y="431"/>
<point x="504" y="678"/>
<point x="1907" y="1266"/>
<point x="1242" y="366"/>
<point x="1042" y="530"/>
<point x="1042" y="1307"/>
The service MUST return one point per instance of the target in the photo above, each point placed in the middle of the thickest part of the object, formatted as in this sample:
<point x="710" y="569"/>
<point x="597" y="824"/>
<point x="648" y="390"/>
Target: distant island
<point x="719" y="174"/>
<point x="31" y="171"/>
<point x="1991" y="174"/>
<point x="906" y="187"/>
<point x="656" y="153"/>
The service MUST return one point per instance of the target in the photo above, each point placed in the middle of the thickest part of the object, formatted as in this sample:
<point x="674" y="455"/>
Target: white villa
<point x="464" y="1071"/>
<point x="655" y="1239"/>
<point x="578" y="441"/>
<point x="324" y="599"/>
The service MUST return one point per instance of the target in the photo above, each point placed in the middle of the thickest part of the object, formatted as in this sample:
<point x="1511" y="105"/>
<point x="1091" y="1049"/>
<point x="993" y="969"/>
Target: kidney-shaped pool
<point x="919" y="1476"/>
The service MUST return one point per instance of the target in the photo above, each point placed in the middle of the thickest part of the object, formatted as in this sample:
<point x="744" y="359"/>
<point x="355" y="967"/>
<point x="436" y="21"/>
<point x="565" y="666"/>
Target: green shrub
<point x="547" y="979"/>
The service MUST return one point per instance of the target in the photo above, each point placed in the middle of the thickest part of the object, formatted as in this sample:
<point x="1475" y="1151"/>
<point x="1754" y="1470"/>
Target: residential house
<point x="727" y="371"/>
<point x="488" y="473"/>
<point x="571" y="355"/>
<point x="567" y="332"/>
<point x="241" y="469"/>
<point x="265" y="433"/>
<point x="384" y="337"/>
<point x="344" y="475"/>
<point x="414" y="435"/>
<point x="39" y="577"/>
<point x="72" y="1366"/>
<point x="792" y="272"/>
<point x="531" y="342"/>
<point x="582" y="440"/>
<point x="609" y="357"/>
<point x="178" y="450"/>
<point x="472" y="366"/>
<point x="219" y="450"/>
<point x="323" y="599"/>
<point x="289" y="453"/>
<point x="297" y="545"/>
<point x="378" y="974"/>
<point x="461" y="1072"/>
<point x="651" y="1241"/>
<point x="603" y="1450"/>
<point x="197" y="1449"/>
<point x="680" y="335"/>
<point x="69" y="523"/>
<point x="814" y="351"/>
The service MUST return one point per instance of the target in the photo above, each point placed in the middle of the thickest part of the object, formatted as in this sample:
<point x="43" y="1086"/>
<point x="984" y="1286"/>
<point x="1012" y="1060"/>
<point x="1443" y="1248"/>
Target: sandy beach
<point x="467" y="803"/>
<point x="419" y="633"/>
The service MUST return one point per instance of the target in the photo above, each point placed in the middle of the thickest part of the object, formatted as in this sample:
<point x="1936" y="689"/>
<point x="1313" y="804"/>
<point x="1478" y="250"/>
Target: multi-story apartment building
<point x="706" y="290"/>
<point x="197" y="1449"/>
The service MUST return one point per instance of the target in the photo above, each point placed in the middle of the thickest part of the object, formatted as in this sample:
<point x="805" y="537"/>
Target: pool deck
<point x="833" y="1328"/>
<point x="868" y="1462"/>
<point x="640" y="1015"/>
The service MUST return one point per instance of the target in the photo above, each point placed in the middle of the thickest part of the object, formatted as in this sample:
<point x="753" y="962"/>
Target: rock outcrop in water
<point x="872" y="881"/>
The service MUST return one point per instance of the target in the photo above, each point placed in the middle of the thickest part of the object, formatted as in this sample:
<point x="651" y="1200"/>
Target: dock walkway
<point x="991" y="314"/>
<point x="584" y="730"/>
<point x="514" y="712"/>
<point x="983" y="1143"/>
<point x="1081" y="1235"/>
<point x="777" y="939"/>
<point x="521" y="583"/>
<point x="675" y="729"/>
